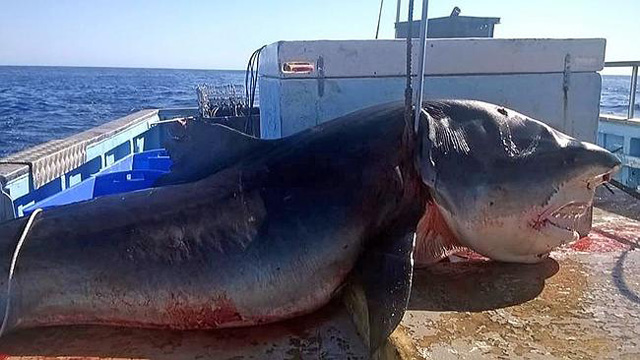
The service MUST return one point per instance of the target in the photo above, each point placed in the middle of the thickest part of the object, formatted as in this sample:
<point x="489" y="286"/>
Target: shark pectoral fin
<point x="198" y="149"/>
<point x="378" y="291"/>
<point x="434" y="239"/>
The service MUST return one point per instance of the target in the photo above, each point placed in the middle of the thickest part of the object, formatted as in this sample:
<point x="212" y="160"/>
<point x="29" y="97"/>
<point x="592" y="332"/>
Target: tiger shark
<point x="245" y="231"/>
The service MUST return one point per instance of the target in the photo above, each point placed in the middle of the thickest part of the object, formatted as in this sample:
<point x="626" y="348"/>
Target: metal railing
<point x="634" y="82"/>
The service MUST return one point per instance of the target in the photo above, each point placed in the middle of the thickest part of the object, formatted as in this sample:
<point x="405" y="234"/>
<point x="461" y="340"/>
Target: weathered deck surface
<point x="582" y="304"/>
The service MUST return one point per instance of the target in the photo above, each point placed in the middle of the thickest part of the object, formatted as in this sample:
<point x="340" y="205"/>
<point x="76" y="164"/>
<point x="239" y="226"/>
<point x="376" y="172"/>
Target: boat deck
<point x="583" y="302"/>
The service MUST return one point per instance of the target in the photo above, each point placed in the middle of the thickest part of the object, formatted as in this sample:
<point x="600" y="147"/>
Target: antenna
<point x="399" y="4"/>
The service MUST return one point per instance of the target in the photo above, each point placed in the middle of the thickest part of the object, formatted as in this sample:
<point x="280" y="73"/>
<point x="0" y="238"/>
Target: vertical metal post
<point x="632" y="91"/>
<point x="398" y="13"/>
<point x="422" y="55"/>
<point x="379" y="17"/>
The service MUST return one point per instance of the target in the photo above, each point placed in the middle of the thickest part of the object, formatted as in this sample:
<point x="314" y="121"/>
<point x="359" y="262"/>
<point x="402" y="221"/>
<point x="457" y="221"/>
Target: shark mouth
<point x="567" y="216"/>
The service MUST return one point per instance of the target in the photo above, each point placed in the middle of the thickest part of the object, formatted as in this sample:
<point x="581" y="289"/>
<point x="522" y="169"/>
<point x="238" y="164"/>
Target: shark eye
<point x="569" y="160"/>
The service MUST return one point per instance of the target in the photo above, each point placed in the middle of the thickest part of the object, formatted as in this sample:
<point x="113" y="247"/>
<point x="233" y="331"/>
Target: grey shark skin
<point x="249" y="231"/>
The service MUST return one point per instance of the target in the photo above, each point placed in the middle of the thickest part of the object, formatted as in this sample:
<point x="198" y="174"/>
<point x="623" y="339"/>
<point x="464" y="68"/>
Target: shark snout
<point x="596" y="160"/>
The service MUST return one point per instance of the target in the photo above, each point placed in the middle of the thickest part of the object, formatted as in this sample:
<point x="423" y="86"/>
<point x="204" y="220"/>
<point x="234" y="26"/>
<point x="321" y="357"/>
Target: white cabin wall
<point x="553" y="80"/>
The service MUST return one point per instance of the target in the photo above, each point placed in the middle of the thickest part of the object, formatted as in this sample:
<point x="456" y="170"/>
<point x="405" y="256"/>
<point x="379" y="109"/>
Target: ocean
<point x="614" y="98"/>
<point x="39" y="104"/>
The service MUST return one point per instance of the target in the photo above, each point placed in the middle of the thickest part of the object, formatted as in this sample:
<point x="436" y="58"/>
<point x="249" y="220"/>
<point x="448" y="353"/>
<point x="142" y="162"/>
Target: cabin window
<point x="634" y="177"/>
<point x="613" y="143"/>
<point x="634" y="148"/>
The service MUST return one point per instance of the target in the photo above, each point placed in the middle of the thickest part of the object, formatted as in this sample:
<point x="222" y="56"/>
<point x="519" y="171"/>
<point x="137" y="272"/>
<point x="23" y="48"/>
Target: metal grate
<point x="222" y="100"/>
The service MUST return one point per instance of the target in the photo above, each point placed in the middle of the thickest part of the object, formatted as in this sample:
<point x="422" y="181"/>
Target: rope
<point x="12" y="268"/>
<point x="178" y="119"/>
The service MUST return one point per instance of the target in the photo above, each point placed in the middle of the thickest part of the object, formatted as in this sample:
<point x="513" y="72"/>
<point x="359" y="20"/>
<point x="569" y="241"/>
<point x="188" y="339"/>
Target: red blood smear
<point x="185" y="316"/>
<point x="597" y="243"/>
<point x="612" y="235"/>
<point x="608" y="237"/>
<point x="226" y="312"/>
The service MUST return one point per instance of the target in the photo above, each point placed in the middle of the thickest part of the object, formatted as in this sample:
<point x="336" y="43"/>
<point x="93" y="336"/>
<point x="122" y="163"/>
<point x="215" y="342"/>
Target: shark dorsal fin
<point x="198" y="149"/>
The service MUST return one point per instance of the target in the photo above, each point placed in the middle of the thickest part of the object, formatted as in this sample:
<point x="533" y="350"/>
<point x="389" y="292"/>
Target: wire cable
<point x="12" y="268"/>
<point x="250" y="86"/>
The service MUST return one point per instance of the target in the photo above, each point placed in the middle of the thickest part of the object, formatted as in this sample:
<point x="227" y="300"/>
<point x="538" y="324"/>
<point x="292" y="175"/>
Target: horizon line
<point x="118" y="67"/>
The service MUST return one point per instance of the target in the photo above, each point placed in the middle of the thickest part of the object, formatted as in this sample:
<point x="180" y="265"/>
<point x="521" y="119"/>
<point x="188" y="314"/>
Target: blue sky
<point x="221" y="34"/>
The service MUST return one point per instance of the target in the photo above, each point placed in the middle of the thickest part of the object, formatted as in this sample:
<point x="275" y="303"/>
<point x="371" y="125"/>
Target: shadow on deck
<point x="478" y="285"/>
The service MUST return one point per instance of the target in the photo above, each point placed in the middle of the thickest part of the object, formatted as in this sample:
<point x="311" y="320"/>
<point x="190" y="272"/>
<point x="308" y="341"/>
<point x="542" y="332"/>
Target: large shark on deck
<point x="247" y="231"/>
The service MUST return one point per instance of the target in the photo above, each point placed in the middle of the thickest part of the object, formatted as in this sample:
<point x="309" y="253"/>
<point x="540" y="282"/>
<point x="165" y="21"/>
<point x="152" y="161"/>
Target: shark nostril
<point x="612" y="161"/>
<point x="595" y="160"/>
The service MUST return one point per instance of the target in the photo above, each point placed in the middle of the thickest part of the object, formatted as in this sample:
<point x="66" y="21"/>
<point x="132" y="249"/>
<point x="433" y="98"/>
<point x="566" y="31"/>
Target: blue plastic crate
<point x="134" y="172"/>
<point x="125" y="181"/>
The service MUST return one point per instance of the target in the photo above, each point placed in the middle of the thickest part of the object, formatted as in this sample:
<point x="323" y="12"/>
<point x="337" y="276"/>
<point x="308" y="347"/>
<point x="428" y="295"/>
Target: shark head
<point x="507" y="186"/>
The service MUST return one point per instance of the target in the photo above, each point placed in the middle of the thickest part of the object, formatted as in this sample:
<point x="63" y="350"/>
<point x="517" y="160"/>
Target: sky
<point x="216" y="34"/>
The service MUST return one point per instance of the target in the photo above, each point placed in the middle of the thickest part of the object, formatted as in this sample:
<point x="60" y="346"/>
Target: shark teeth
<point x="567" y="215"/>
<point x="570" y="210"/>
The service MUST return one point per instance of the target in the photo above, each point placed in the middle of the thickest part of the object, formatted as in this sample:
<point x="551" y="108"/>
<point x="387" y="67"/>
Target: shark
<point x="245" y="231"/>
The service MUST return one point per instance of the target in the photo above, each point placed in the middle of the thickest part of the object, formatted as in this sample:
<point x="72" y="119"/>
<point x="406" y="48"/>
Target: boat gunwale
<point x="18" y="164"/>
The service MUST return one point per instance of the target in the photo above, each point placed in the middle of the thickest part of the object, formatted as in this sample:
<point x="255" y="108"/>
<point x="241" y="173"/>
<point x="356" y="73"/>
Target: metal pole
<point x="379" y="16"/>
<point x="632" y="91"/>
<point x="398" y="12"/>
<point x="422" y="55"/>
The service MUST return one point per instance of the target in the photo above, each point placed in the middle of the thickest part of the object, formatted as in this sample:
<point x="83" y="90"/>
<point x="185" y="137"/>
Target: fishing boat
<point x="583" y="303"/>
